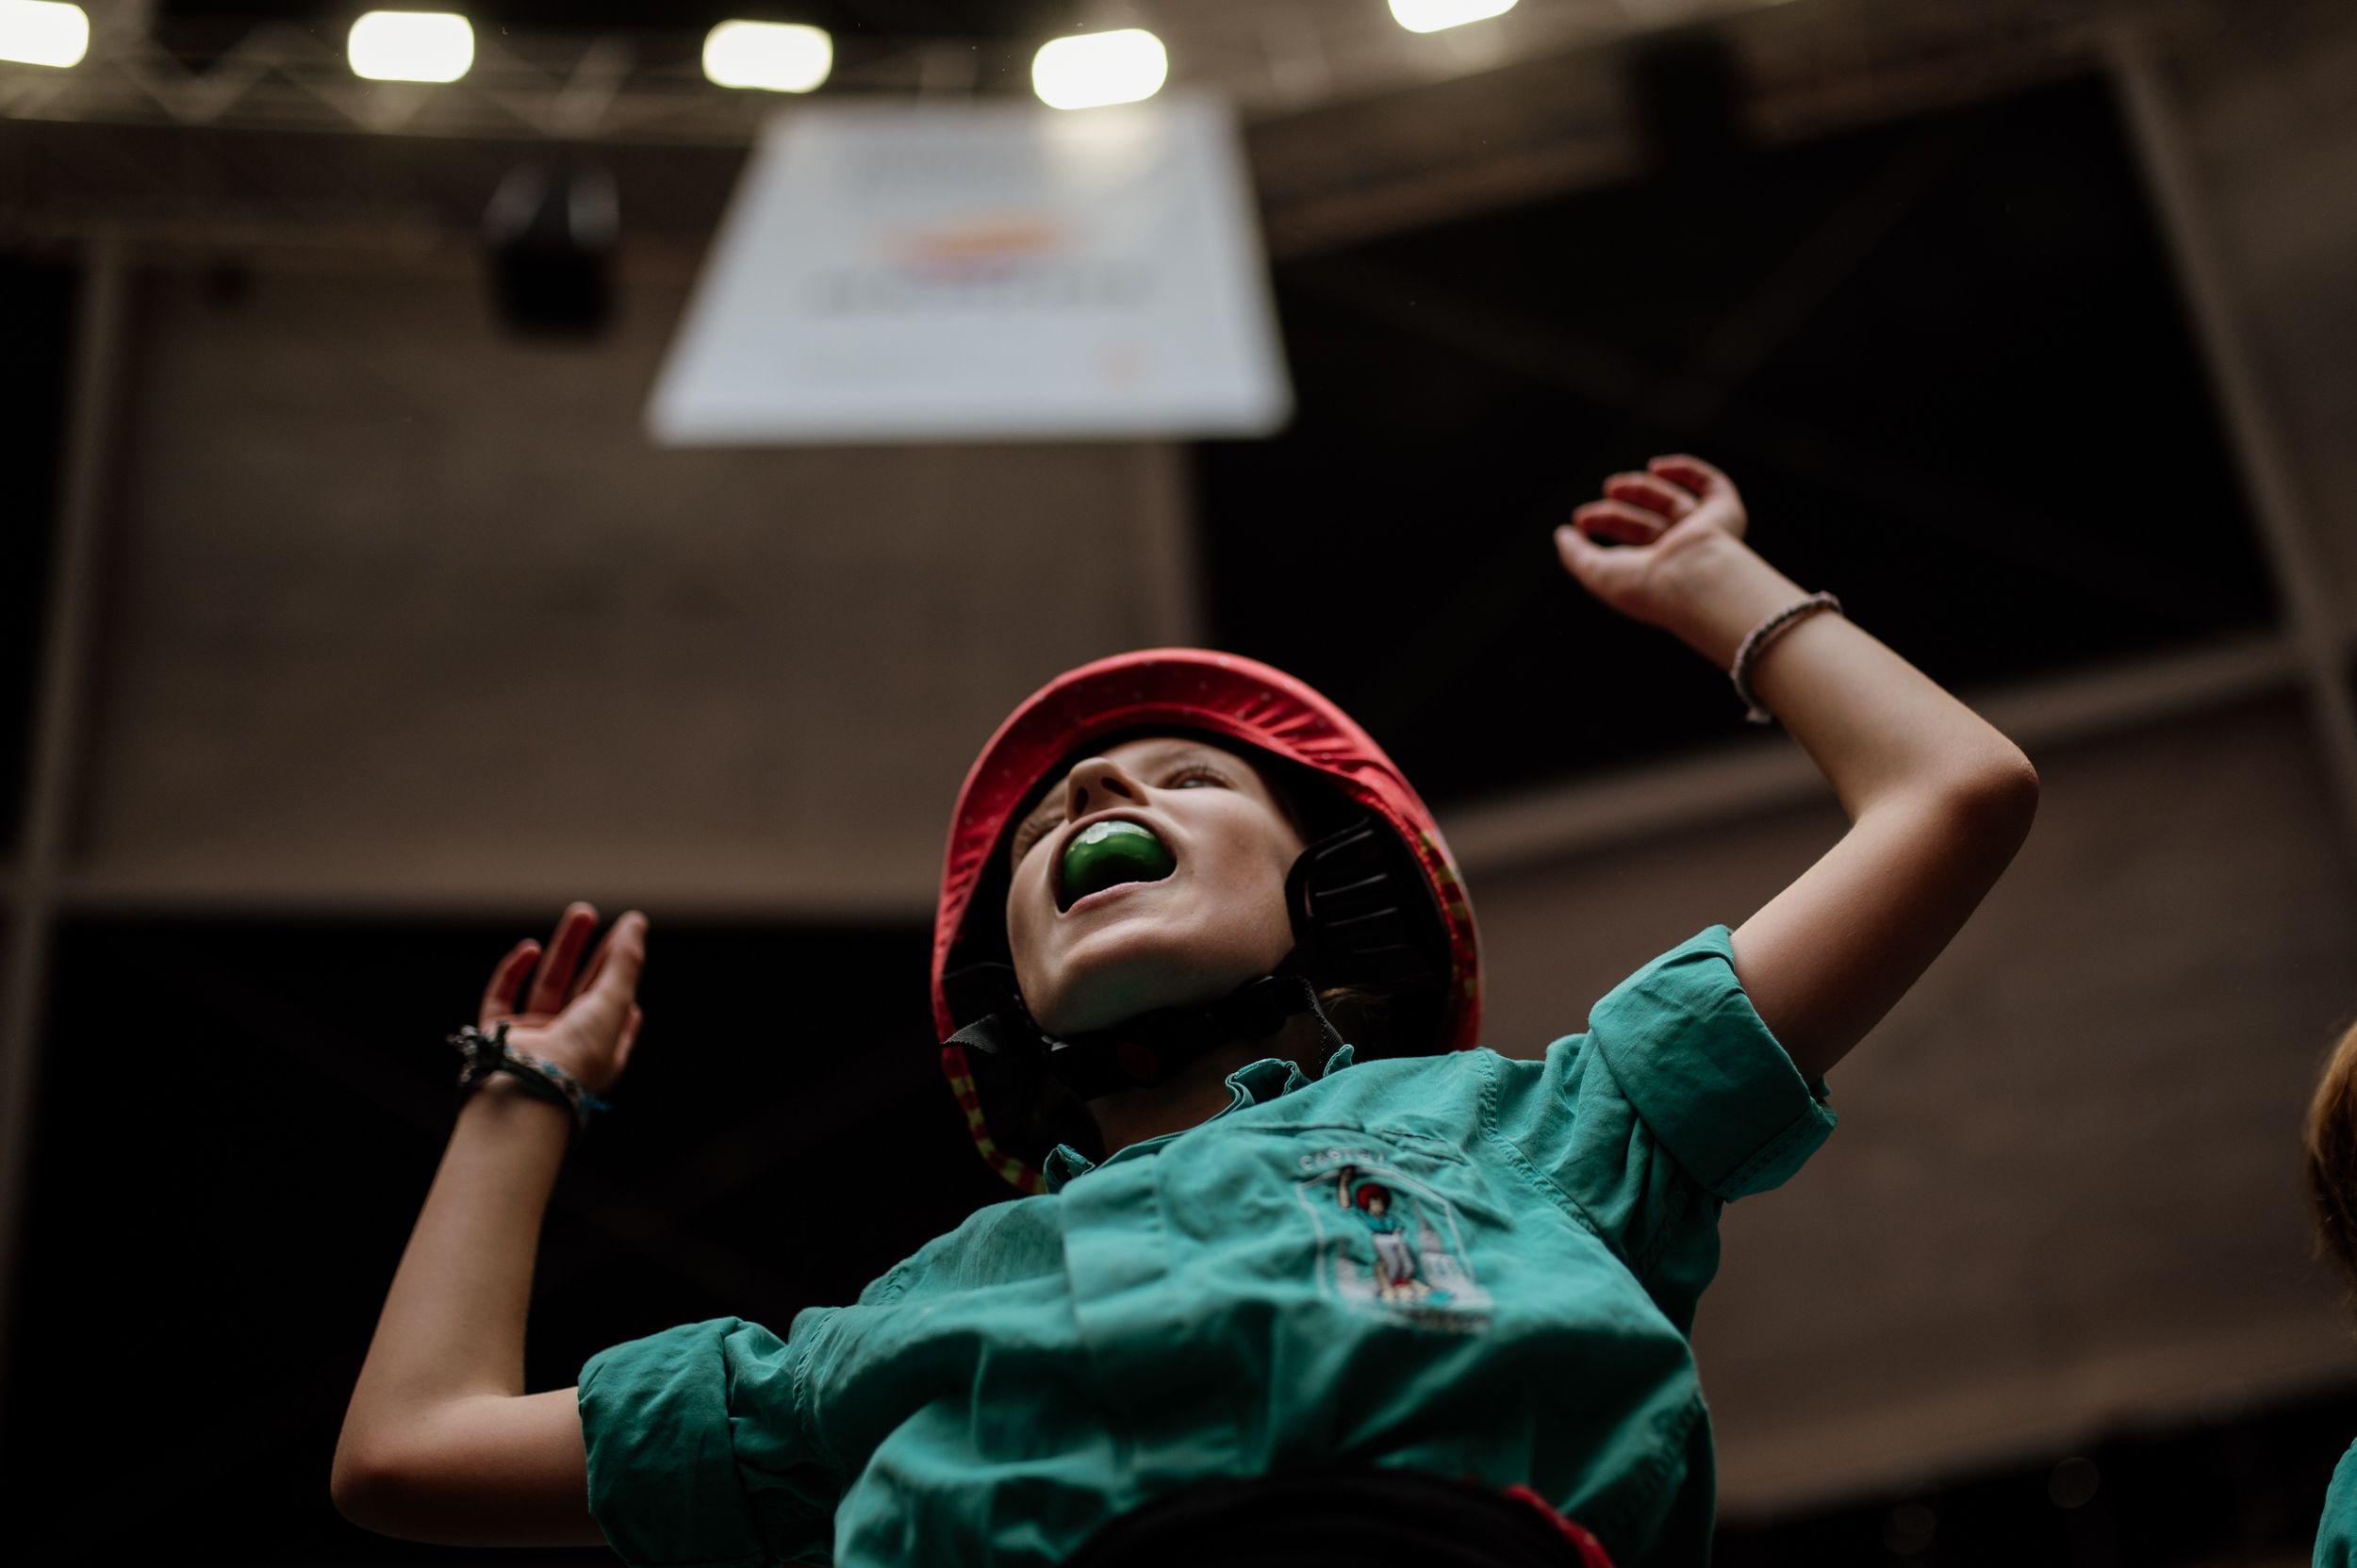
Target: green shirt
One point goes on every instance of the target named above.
(2336, 1532)
(1472, 1264)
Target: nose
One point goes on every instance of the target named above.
(1097, 785)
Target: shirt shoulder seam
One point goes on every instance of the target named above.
(1521, 1161)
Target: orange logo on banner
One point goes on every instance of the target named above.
(1012, 237)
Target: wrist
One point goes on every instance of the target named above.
(504, 1089)
(493, 1059)
(1716, 595)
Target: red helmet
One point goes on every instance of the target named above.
(1229, 700)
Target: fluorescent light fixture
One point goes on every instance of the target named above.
(37, 32)
(1430, 16)
(411, 46)
(779, 57)
(1090, 70)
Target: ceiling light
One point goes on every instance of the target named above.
(1090, 70)
(1430, 16)
(411, 46)
(779, 57)
(36, 32)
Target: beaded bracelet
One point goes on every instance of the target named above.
(490, 1053)
(1749, 652)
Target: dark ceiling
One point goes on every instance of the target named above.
(663, 34)
(892, 18)
(1943, 358)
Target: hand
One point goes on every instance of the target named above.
(1661, 521)
(586, 1028)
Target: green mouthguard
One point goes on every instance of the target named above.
(1114, 852)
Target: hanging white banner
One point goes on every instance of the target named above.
(981, 270)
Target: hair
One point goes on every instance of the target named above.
(2332, 1158)
(1364, 1015)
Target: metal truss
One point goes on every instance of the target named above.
(1269, 57)
(1355, 126)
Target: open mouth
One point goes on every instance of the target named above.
(1107, 854)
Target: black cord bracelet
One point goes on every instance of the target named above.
(490, 1053)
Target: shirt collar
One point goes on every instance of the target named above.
(1254, 1083)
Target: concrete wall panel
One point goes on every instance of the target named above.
(410, 609)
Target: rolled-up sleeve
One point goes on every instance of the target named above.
(1674, 1100)
(1687, 1047)
(700, 1455)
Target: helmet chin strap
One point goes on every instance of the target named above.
(1150, 1046)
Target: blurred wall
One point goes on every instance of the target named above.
(404, 610)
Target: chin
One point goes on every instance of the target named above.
(1113, 992)
(1072, 1015)
(1138, 961)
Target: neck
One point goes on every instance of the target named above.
(1198, 1091)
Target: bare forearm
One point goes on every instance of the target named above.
(453, 1320)
(1877, 726)
(1939, 801)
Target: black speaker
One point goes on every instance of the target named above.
(550, 229)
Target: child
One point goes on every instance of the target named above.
(2333, 1192)
(1277, 1290)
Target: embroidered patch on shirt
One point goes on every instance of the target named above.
(1389, 1243)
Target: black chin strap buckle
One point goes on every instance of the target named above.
(1259, 1008)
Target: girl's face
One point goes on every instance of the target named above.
(1186, 940)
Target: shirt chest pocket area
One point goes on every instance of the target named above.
(1265, 1197)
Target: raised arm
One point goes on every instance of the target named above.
(440, 1443)
(1939, 801)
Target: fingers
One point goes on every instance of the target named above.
(1692, 472)
(1671, 501)
(548, 988)
(1601, 572)
(597, 962)
(605, 948)
(622, 958)
(1604, 545)
(499, 996)
(1618, 520)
